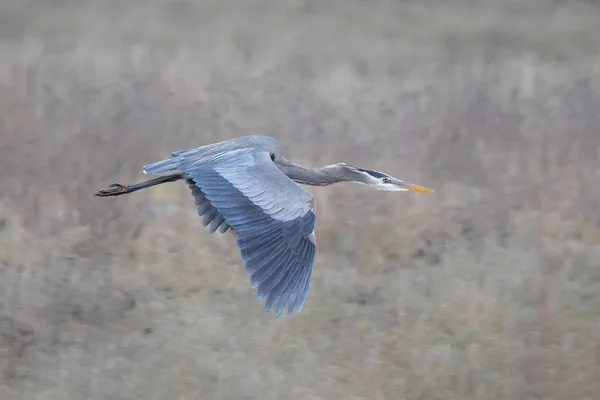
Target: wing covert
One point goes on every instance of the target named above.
(273, 221)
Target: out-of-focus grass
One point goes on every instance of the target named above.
(486, 289)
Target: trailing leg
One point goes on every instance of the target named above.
(116, 189)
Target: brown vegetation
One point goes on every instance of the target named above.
(488, 288)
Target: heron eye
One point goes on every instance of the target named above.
(385, 180)
(272, 156)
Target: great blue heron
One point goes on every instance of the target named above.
(247, 185)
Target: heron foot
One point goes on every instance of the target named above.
(114, 189)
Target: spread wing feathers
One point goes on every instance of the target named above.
(271, 217)
(210, 215)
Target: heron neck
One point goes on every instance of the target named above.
(322, 176)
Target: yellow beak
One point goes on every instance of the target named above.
(415, 188)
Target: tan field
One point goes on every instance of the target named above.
(488, 288)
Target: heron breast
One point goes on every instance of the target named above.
(312, 204)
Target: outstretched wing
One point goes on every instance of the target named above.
(272, 219)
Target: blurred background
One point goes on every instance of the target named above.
(488, 288)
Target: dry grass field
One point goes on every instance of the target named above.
(488, 288)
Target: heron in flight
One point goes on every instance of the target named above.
(248, 186)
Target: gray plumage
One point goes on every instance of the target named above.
(247, 185)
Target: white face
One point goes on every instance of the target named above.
(389, 184)
(381, 181)
(391, 188)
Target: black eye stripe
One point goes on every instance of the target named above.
(374, 174)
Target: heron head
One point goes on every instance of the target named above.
(381, 181)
